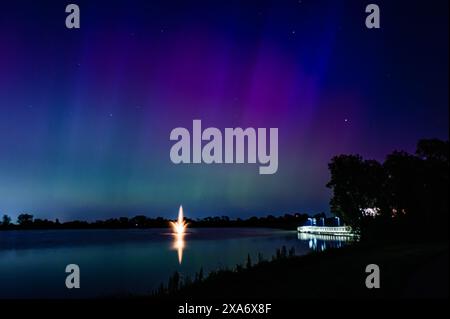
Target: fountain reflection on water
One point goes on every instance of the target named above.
(178, 245)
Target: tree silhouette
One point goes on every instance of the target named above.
(6, 221)
(356, 186)
(406, 194)
(25, 220)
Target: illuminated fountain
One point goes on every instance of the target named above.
(179, 226)
(179, 230)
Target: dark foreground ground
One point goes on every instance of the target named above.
(406, 271)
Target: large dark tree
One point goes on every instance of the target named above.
(356, 186)
(435, 156)
(409, 193)
(404, 189)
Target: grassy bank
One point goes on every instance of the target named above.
(407, 270)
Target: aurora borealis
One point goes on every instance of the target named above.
(86, 114)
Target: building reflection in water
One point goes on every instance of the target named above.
(322, 242)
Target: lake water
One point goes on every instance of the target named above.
(116, 262)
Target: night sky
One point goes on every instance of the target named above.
(86, 114)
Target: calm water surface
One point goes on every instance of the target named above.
(115, 262)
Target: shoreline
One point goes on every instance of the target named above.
(408, 270)
(142, 228)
